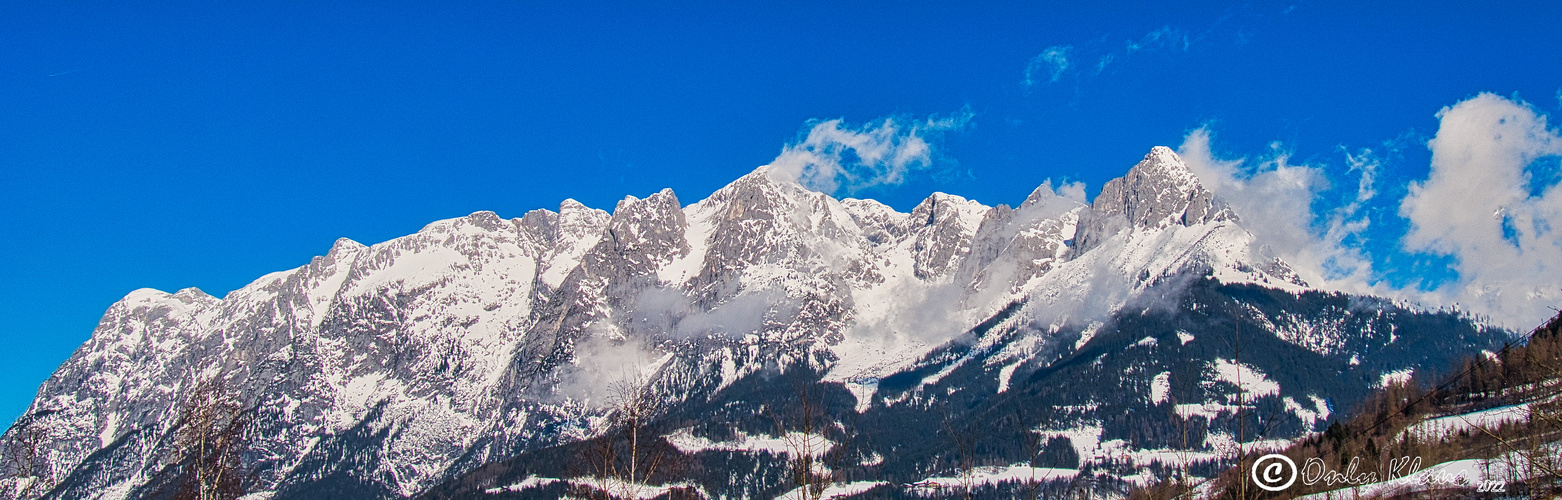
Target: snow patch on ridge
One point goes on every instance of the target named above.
(1254, 383)
(1160, 387)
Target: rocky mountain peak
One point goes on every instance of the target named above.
(481, 220)
(575, 216)
(1161, 191)
(578, 229)
(344, 245)
(1044, 201)
(880, 223)
(540, 225)
(642, 234)
(943, 225)
(192, 295)
(1041, 194)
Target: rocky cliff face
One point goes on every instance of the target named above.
(383, 371)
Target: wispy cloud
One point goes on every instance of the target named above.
(1060, 62)
(834, 155)
(1164, 38)
(1050, 63)
(1275, 199)
(1087, 59)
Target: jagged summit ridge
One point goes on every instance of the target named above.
(466, 336)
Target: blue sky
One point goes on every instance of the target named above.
(205, 144)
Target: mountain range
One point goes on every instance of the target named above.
(1096, 345)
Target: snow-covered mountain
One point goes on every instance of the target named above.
(397, 369)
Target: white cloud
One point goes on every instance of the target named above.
(1071, 190)
(1478, 206)
(1050, 63)
(1274, 199)
(834, 155)
(1487, 202)
(601, 364)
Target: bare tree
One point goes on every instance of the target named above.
(812, 461)
(1033, 442)
(624, 461)
(601, 459)
(25, 459)
(965, 444)
(1241, 411)
(1182, 483)
(210, 440)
